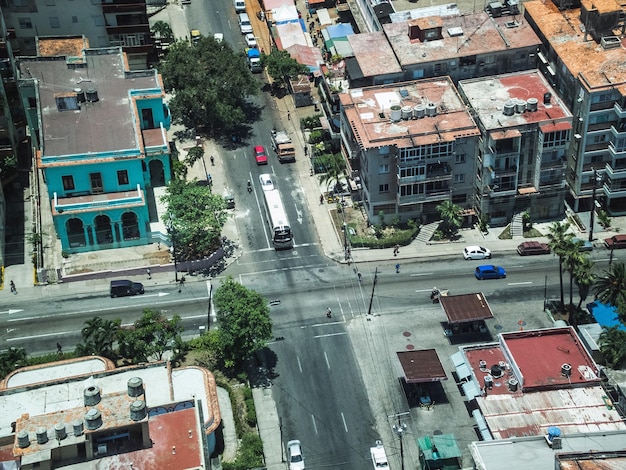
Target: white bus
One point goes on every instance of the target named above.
(277, 218)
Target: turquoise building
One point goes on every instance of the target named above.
(99, 132)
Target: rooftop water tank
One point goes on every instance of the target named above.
(566, 370)
(520, 106)
(419, 111)
(91, 395)
(77, 426)
(512, 383)
(531, 104)
(59, 431)
(488, 381)
(406, 112)
(138, 410)
(509, 108)
(42, 435)
(23, 440)
(134, 386)
(431, 109)
(93, 419)
(396, 113)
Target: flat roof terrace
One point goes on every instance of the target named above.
(106, 125)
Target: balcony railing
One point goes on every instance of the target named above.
(97, 201)
(438, 195)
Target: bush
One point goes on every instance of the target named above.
(311, 122)
(316, 137)
(401, 237)
(250, 454)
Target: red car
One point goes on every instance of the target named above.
(260, 155)
(533, 248)
(615, 242)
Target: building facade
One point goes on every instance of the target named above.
(584, 59)
(525, 137)
(413, 146)
(99, 134)
(105, 23)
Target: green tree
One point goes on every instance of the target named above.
(610, 288)
(150, 337)
(451, 219)
(572, 258)
(197, 217)
(11, 359)
(281, 66)
(243, 316)
(209, 83)
(193, 155)
(163, 31)
(558, 237)
(99, 335)
(612, 344)
(584, 278)
(335, 166)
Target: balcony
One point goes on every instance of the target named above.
(602, 105)
(429, 196)
(599, 147)
(601, 126)
(434, 172)
(617, 167)
(618, 129)
(621, 112)
(125, 6)
(130, 29)
(97, 202)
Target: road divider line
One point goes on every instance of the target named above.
(326, 359)
(299, 363)
(46, 335)
(421, 274)
(525, 283)
(314, 425)
(329, 323)
(343, 418)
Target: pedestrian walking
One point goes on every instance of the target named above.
(288, 116)
(13, 289)
(59, 349)
(212, 161)
(359, 275)
(149, 273)
(396, 250)
(321, 199)
(397, 268)
(329, 313)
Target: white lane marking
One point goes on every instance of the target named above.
(326, 324)
(332, 334)
(314, 425)
(421, 274)
(343, 418)
(525, 283)
(12, 311)
(424, 290)
(327, 362)
(299, 363)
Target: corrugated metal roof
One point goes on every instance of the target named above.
(421, 366)
(466, 307)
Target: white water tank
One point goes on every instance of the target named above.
(406, 112)
(520, 106)
(531, 104)
(42, 435)
(509, 108)
(431, 109)
(419, 111)
(396, 113)
(488, 381)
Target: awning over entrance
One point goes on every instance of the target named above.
(421, 366)
(466, 307)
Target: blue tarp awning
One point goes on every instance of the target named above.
(340, 30)
(605, 315)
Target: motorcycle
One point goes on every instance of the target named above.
(436, 295)
(249, 186)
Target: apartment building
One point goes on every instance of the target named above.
(583, 57)
(525, 136)
(99, 135)
(105, 23)
(413, 145)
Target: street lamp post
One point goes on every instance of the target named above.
(172, 231)
(400, 428)
(596, 180)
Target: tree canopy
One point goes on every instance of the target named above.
(451, 219)
(150, 337)
(281, 66)
(209, 83)
(99, 334)
(197, 217)
(244, 321)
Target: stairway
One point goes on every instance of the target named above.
(426, 232)
(517, 226)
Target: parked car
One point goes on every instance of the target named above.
(489, 271)
(476, 252)
(250, 40)
(615, 242)
(260, 155)
(244, 23)
(583, 245)
(533, 248)
(294, 455)
(219, 37)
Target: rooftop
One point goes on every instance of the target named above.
(466, 307)
(107, 124)
(597, 67)
(374, 54)
(490, 97)
(368, 111)
(463, 35)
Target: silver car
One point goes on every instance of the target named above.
(294, 455)
(476, 252)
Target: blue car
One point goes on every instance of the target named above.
(489, 271)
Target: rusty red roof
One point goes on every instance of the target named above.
(421, 366)
(466, 307)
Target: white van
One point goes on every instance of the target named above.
(240, 6)
(244, 23)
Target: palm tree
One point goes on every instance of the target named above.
(335, 169)
(612, 344)
(164, 31)
(610, 288)
(572, 258)
(98, 337)
(584, 278)
(451, 219)
(557, 239)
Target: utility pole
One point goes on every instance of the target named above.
(400, 429)
(369, 310)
